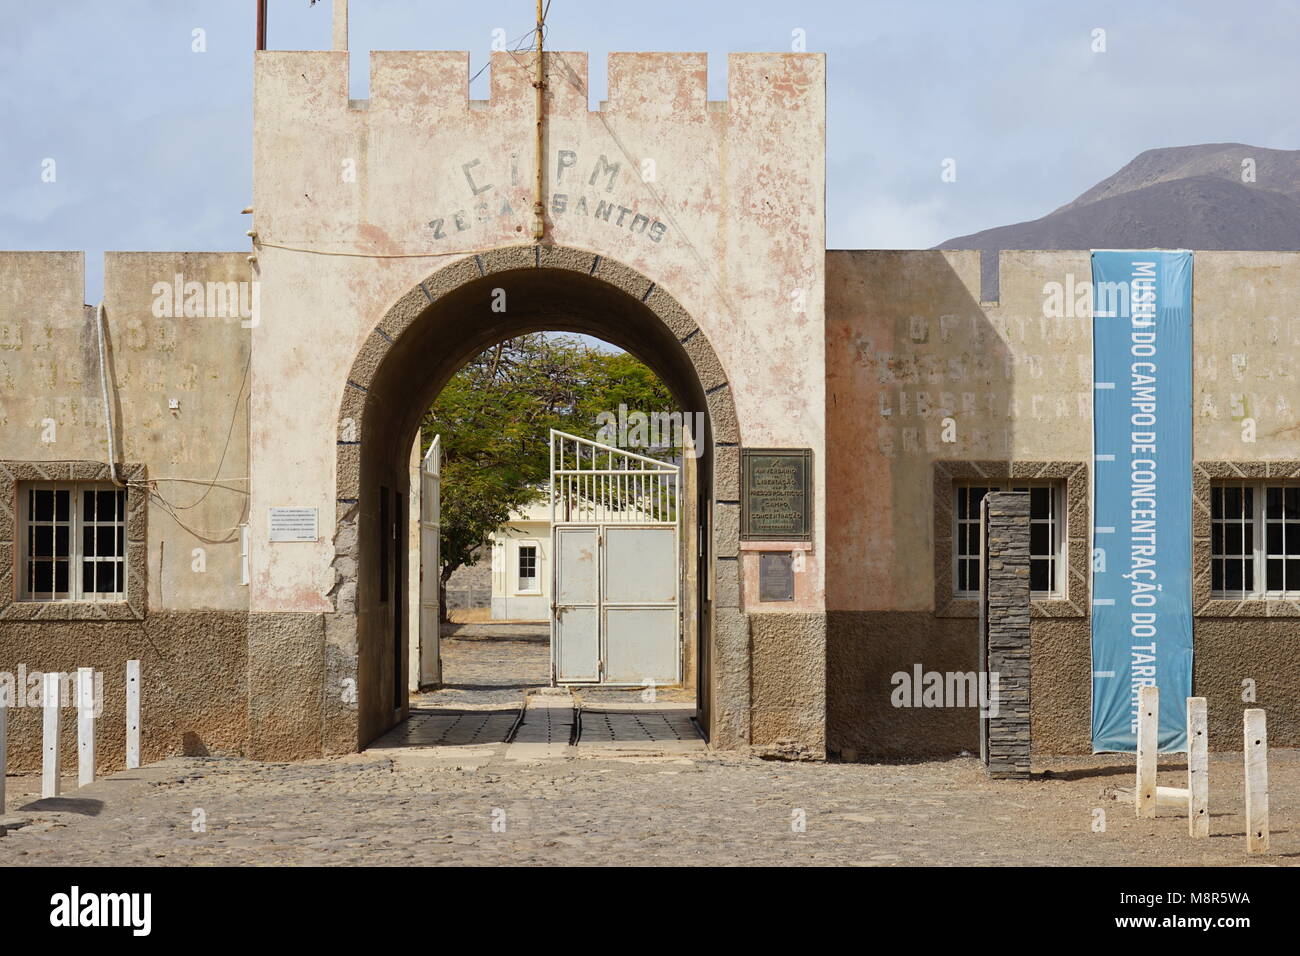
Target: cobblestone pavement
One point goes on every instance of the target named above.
(490, 674)
(467, 782)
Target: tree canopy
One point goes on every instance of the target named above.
(495, 417)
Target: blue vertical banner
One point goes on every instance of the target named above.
(1141, 493)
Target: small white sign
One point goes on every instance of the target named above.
(293, 524)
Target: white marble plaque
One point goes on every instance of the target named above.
(293, 524)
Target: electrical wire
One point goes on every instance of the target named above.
(103, 389)
(373, 255)
(230, 430)
(519, 45)
(149, 485)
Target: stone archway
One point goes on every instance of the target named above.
(420, 342)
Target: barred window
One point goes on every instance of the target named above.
(1255, 540)
(1046, 536)
(73, 542)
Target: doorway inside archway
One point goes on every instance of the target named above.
(553, 468)
(549, 488)
(449, 321)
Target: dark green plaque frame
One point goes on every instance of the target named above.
(753, 462)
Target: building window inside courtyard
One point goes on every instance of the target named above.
(527, 567)
(73, 541)
(1046, 537)
(1255, 540)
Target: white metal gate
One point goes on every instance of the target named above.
(430, 563)
(616, 583)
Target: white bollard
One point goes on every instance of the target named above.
(132, 715)
(1198, 769)
(1256, 748)
(1148, 743)
(50, 758)
(85, 726)
(4, 737)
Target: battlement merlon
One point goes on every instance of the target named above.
(433, 83)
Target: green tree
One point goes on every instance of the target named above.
(495, 417)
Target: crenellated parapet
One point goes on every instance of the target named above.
(421, 168)
(415, 83)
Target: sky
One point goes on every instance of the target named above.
(151, 140)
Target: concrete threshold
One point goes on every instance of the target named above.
(547, 729)
(638, 729)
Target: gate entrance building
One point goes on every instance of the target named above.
(260, 417)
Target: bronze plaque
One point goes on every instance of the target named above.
(776, 576)
(776, 494)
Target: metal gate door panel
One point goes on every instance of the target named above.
(430, 664)
(577, 645)
(640, 565)
(576, 611)
(641, 645)
(577, 569)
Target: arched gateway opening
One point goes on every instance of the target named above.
(422, 340)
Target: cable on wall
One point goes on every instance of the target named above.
(103, 389)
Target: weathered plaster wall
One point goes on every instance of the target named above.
(1246, 335)
(286, 664)
(190, 633)
(1246, 311)
(908, 345)
(737, 234)
(50, 389)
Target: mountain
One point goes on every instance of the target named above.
(1183, 197)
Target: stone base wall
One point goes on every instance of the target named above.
(864, 648)
(788, 693)
(288, 687)
(194, 671)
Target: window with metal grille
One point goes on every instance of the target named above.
(1046, 537)
(1255, 540)
(527, 567)
(73, 542)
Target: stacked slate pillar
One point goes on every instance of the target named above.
(1004, 633)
